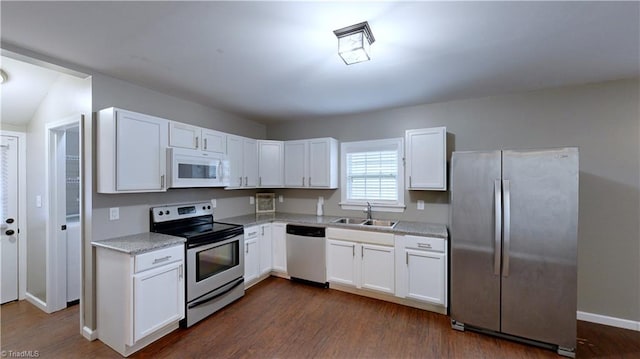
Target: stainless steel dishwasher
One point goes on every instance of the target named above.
(306, 248)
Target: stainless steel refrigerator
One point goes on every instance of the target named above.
(514, 221)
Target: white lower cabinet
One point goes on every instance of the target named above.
(279, 240)
(354, 260)
(421, 267)
(266, 249)
(377, 263)
(251, 254)
(140, 297)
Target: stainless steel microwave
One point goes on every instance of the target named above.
(193, 168)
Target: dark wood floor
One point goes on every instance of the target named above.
(282, 319)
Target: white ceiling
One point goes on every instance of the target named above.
(272, 61)
(26, 87)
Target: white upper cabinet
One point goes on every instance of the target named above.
(426, 166)
(270, 164)
(196, 138)
(296, 170)
(131, 152)
(242, 153)
(214, 141)
(311, 163)
(184, 136)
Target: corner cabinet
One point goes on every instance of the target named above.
(270, 164)
(140, 297)
(421, 269)
(311, 163)
(131, 152)
(426, 166)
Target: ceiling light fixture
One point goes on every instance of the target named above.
(3, 76)
(354, 43)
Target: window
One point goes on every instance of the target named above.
(372, 171)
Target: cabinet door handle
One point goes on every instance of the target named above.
(309, 181)
(353, 248)
(196, 141)
(262, 228)
(410, 186)
(160, 260)
(246, 181)
(205, 143)
(246, 245)
(302, 181)
(407, 258)
(424, 245)
(259, 181)
(180, 272)
(240, 184)
(362, 252)
(162, 182)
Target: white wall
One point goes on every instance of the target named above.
(68, 96)
(601, 119)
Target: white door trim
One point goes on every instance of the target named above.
(56, 297)
(22, 210)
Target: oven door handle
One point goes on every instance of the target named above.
(218, 240)
(220, 292)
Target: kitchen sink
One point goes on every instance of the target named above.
(350, 221)
(379, 223)
(366, 222)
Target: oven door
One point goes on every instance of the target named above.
(213, 265)
(190, 168)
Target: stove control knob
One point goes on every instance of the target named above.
(160, 213)
(208, 207)
(203, 207)
(166, 212)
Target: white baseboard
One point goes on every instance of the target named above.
(36, 301)
(89, 334)
(611, 321)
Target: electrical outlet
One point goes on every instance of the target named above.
(280, 198)
(114, 213)
(252, 200)
(321, 200)
(214, 203)
(421, 205)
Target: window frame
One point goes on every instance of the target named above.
(372, 145)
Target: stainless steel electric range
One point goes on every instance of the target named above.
(214, 256)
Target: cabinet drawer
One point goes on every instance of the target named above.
(157, 258)
(425, 243)
(251, 232)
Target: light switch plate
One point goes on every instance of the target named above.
(280, 198)
(214, 203)
(252, 200)
(114, 213)
(420, 204)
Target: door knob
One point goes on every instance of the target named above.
(10, 232)
(10, 220)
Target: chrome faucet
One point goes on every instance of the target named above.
(368, 211)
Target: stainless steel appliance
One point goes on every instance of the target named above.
(214, 256)
(193, 168)
(514, 220)
(306, 253)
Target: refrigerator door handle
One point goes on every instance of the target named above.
(506, 186)
(497, 250)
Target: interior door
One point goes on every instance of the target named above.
(475, 238)
(540, 241)
(9, 216)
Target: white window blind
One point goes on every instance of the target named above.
(372, 176)
(372, 171)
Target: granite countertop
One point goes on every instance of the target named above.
(403, 227)
(139, 243)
